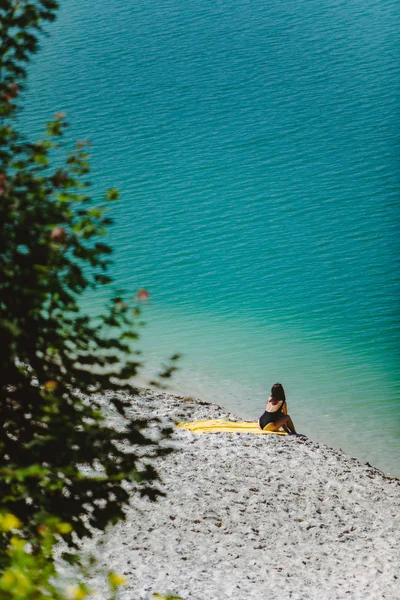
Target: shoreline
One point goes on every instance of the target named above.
(377, 444)
(254, 516)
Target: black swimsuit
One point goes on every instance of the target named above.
(270, 417)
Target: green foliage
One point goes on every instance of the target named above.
(63, 466)
(31, 574)
(28, 571)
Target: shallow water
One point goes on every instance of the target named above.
(255, 148)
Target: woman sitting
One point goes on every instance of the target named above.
(275, 415)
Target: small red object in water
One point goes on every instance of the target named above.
(59, 234)
(60, 115)
(12, 92)
(142, 295)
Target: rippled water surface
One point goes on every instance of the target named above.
(255, 145)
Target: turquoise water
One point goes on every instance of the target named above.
(255, 146)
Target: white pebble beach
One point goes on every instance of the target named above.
(255, 517)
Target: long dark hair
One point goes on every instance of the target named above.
(277, 392)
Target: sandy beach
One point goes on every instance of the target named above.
(256, 516)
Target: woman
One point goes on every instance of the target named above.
(275, 415)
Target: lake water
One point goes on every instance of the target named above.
(255, 146)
